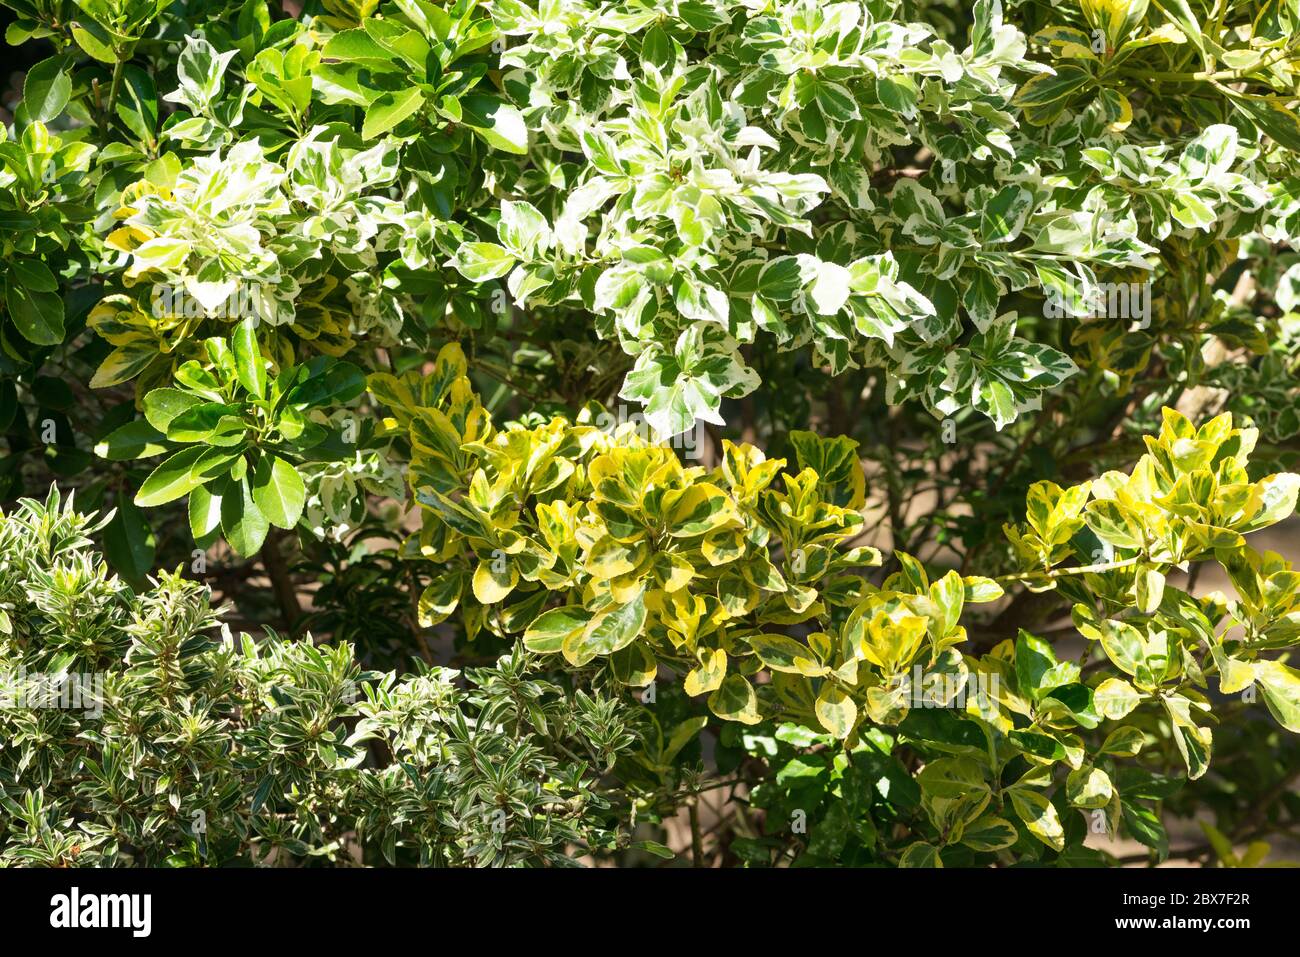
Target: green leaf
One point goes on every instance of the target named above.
(1124, 742)
(129, 542)
(441, 597)
(1034, 660)
(1276, 497)
(523, 229)
(1115, 698)
(1073, 699)
(389, 109)
(898, 94)
(655, 848)
(46, 90)
(1089, 787)
(920, 854)
(124, 363)
(682, 735)
(781, 653)
(211, 422)
(1145, 826)
(479, 262)
(249, 366)
(497, 122)
(1281, 687)
(547, 634)
(781, 278)
(1042, 746)
(38, 315)
(1123, 646)
(494, 579)
(278, 490)
(1136, 783)
(205, 510)
(990, 833)
(242, 522)
(1194, 742)
(216, 461)
(357, 46)
(163, 405)
(1221, 843)
(170, 480)
(1004, 216)
(735, 700)
(1273, 118)
(34, 275)
(95, 41)
(1044, 89)
(135, 440)
(331, 382)
(1180, 13)
(137, 104)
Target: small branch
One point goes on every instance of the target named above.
(697, 838)
(1254, 820)
(114, 87)
(1073, 570)
(281, 583)
(891, 175)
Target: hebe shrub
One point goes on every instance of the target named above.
(832, 403)
(134, 733)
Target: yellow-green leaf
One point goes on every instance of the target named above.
(494, 579)
(708, 674)
(781, 653)
(1039, 816)
(440, 597)
(836, 711)
(607, 632)
(1281, 686)
(735, 701)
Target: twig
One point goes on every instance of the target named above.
(697, 839)
(281, 583)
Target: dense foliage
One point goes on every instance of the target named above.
(134, 734)
(832, 407)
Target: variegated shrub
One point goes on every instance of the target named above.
(866, 405)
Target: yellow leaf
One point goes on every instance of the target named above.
(708, 675)
(494, 579)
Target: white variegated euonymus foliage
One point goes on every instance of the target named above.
(692, 182)
(723, 177)
(724, 195)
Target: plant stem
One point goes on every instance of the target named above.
(1075, 570)
(697, 839)
(114, 87)
(278, 572)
